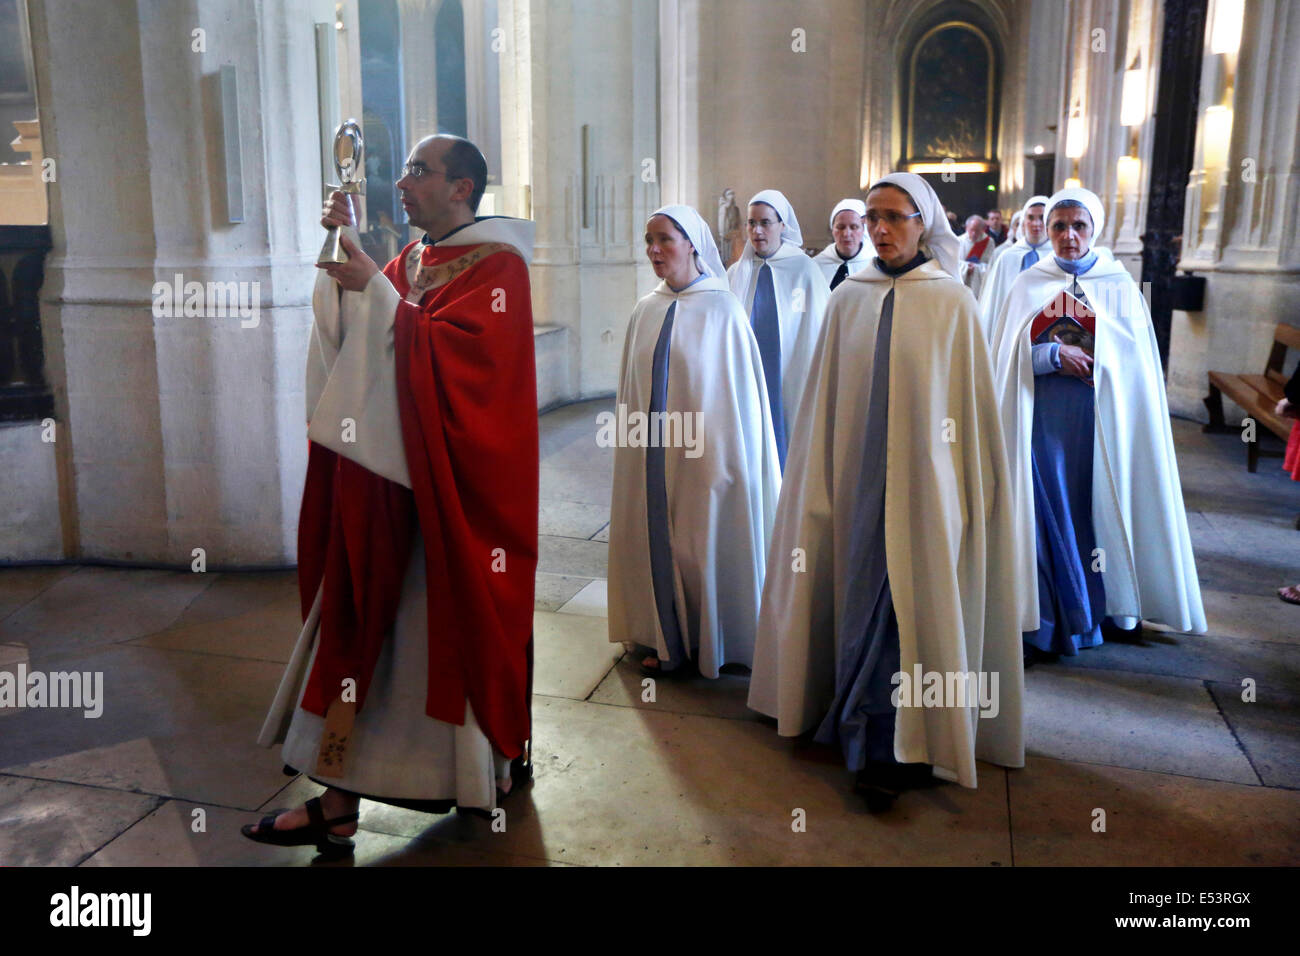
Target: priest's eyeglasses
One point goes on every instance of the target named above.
(890, 218)
(419, 171)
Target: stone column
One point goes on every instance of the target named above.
(1243, 206)
(179, 431)
(419, 68)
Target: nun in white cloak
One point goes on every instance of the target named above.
(1103, 532)
(692, 513)
(1031, 246)
(784, 294)
(893, 552)
(849, 250)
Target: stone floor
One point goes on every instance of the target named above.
(1156, 735)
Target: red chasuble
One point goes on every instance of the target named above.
(977, 250)
(467, 394)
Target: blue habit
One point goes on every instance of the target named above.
(767, 330)
(1071, 596)
(862, 716)
(656, 486)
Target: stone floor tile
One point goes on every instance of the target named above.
(1140, 721)
(617, 786)
(571, 519)
(552, 590)
(588, 487)
(573, 654)
(166, 838)
(18, 585)
(1271, 664)
(1268, 728)
(173, 723)
(591, 601)
(588, 559)
(252, 615)
(1267, 618)
(46, 823)
(725, 697)
(1152, 819)
(103, 605)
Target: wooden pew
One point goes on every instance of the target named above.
(1257, 394)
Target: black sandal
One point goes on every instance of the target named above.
(316, 831)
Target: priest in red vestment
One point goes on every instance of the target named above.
(417, 542)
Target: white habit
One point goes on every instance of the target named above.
(801, 294)
(829, 260)
(1137, 500)
(1007, 264)
(949, 542)
(721, 501)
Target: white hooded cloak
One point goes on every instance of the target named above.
(949, 541)
(801, 294)
(1137, 501)
(721, 501)
(1006, 266)
(829, 261)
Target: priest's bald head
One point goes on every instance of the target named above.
(443, 183)
(974, 227)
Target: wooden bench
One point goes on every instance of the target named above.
(1257, 394)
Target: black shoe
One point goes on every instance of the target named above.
(878, 799)
(880, 783)
(1034, 656)
(1112, 634)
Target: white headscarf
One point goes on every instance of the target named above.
(1024, 211)
(937, 237)
(856, 205)
(790, 233)
(697, 231)
(1090, 201)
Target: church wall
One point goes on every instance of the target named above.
(771, 116)
(587, 272)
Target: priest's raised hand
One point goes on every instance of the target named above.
(354, 274)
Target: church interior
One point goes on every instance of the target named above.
(153, 456)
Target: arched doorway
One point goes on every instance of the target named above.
(951, 72)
